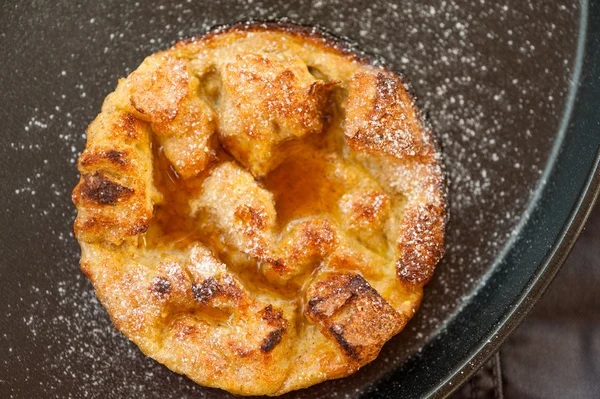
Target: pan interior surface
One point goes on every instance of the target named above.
(494, 80)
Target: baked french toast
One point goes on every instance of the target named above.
(259, 208)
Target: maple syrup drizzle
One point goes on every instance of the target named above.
(301, 184)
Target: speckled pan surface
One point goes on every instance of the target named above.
(495, 79)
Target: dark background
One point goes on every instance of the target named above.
(493, 77)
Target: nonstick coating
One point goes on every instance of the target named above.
(510, 87)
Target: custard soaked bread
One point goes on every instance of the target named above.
(259, 208)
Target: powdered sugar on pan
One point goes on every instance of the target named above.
(492, 78)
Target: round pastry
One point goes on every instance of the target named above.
(260, 207)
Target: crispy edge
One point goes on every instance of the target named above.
(352, 313)
(381, 116)
(112, 199)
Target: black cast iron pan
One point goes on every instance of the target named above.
(512, 89)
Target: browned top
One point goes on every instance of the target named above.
(259, 209)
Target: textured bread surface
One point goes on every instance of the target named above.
(259, 208)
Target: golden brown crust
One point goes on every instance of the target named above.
(163, 92)
(233, 204)
(115, 195)
(187, 310)
(381, 117)
(157, 92)
(256, 115)
(350, 311)
(259, 208)
(300, 251)
(420, 244)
